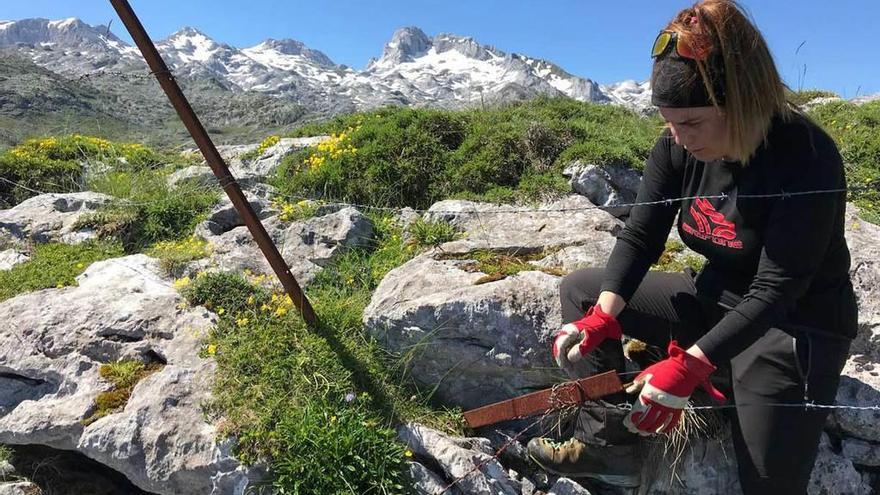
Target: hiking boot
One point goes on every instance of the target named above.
(616, 465)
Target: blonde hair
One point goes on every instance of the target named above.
(753, 91)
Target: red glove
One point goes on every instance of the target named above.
(664, 389)
(576, 339)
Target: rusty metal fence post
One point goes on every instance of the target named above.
(215, 161)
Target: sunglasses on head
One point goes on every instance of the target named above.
(667, 39)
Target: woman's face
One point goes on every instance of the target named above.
(701, 130)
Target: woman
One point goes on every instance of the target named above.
(774, 302)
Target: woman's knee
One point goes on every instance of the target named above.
(582, 282)
(578, 290)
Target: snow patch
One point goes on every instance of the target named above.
(62, 23)
(196, 47)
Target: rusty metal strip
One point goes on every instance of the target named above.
(215, 161)
(566, 394)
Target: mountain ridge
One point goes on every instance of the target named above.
(447, 70)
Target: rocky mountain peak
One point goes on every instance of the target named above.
(289, 46)
(465, 45)
(406, 44)
(66, 32)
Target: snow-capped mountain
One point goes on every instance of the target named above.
(69, 45)
(414, 69)
(450, 70)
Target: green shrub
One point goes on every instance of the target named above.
(856, 130)
(54, 265)
(291, 212)
(806, 95)
(147, 211)
(415, 157)
(174, 254)
(56, 164)
(430, 233)
(35, 174)
(391, 159)
(359, 454)
(6, 455)
(264, 145)
(226, 290)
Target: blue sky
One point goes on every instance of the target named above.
(606, 41)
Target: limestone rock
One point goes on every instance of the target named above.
(11, 257)
(426, 482)
(306, 245)
(458, 463)
(605, 185)
(570, 221)
(566, 486)
(476, 343)
(52, 344)
(833, 474)
(860, 452)
(50, 217)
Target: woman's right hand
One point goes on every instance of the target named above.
(576, 339)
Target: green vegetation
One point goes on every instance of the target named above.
(856, 129)
(672, 259)
(124, 375)
(291, 212)
(172, 255)
(498, 266)
(54, 265)
(147, 211)
(289, 394)
(806, 95)
(414, 157)
(59, 164)
(425, 234)
(265, 144)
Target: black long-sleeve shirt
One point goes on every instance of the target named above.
(771, 261)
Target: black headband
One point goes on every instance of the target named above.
(676, 82)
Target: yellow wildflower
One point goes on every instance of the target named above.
(250, 300)
(220, 311)
(408, 453)
(212, 349)
(280, 311)
(332, 419)
(241, 322)
(181, 282)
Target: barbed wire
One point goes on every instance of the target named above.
(798, 405)
(501, 208)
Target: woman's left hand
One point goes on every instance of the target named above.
(664, 390)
